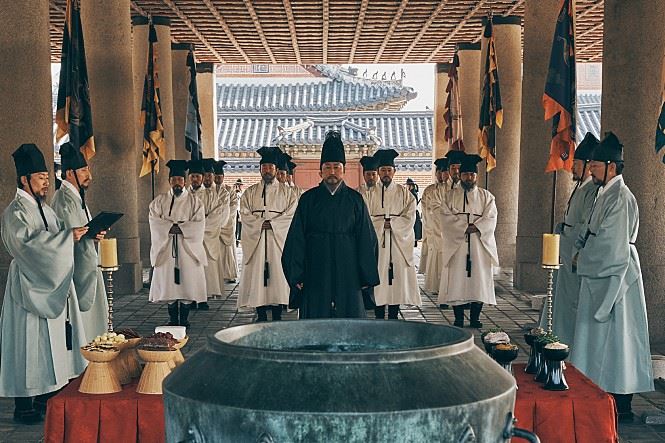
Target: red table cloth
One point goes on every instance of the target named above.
(585, 413)
(122, 417)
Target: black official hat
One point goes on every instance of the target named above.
(470, 163)
(333, 148)
(409, 181)
(269, 155)
(291, 166)
(177, 168)
(386, 157)
(29, 160)
(455, 157)
(195, 166)
(208, 165)
(218, 167)
(369, 163)
(586, 147)
(609, 150)
(71, 158)
(283, 162)
(441, 164)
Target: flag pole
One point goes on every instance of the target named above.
(552, 215)
(152, 178)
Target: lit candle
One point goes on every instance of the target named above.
(551, 249)
(108, 253)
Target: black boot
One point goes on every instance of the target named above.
(261, 314)
(393, 310)
(203, 306)
(475, 308)
(25, 413)
(40, 401)
(624, 407)
(193, 306)
(444, 306)
(380, 312)
(459, 316)
(184, 313)
(276, 312)
(173, 314)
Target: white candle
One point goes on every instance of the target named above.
(551, 249)
(108, 253)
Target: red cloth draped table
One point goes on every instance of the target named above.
(114, 418)
(585, 413)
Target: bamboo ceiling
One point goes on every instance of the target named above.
(336, 31)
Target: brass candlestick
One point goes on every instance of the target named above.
(108, 272)
(550, 286)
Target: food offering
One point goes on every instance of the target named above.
(493, 338)
(504, 354)
(535, 357)
(540, 343)
(99, 377)
(555, 353)
(156, 350)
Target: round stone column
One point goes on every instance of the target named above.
(25, 94)
(107, 33)
(504, 180)
(207, 89)
(440, 146)
(468, 77)
(164, 66)
(535, 187)
(180, 75)
(634, 48)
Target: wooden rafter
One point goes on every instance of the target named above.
(590, 47)
(292, 29)
(587, 11)
(424, 29)
(138, 9)
(326, 29)
(590, 30)
(457, 29)
(391, 30)
(515, 7)
(259, 30)
(359, 28)
(227, 30)
(194, 30)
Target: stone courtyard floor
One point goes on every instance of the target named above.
(513, 313)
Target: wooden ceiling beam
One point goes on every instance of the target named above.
(259, 30)
(457, 29)
(424, 29)
(359, 27)
(292, 29)
(515, 7)
(194, 30)
(326, 30)
(227, 30)
(391, 30)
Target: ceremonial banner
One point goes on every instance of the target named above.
(73, 111)
(453, 114)
(491, 111)
(560, 97)
(193, 122)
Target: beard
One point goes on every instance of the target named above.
(268, 178)
(196, 186)
(468, 185)
(332, 180)
(177, 190)
(370, 183)
(386, 180)
(597, 181)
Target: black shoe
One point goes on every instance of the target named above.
(28, 417)
(230, 280)
(626, 417)
(203, 306)
(444, 306)
(459, 323)
(173, 314)
(193, 306)
(184, 313)
(476, 324)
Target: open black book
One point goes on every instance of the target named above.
(102, 222)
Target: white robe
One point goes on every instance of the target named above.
(88, 279)
(434, 197)
(456, 287)
(278, 207)
(189, 214)
(216, 208)
(400, 206)
(228, 263)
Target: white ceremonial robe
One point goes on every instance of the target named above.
(456, 287)
(399, 205)
(216, 207)
(34, 358)
(189, 214)
(296, 190)
(88, 279)
(424, 245)
(228, 262)
(278, 206)
(435, 201)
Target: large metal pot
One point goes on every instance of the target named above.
(339, 381)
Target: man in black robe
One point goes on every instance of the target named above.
(331, 250)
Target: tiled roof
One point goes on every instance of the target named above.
(337, 90)
(588, 115)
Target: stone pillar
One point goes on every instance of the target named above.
(632, 47)
(440, 146)
(107, 32)
(25, 94)
(469, 77)
(140, 65)
(180, 73)
(205, 81)
(535, 187)
(504, 179)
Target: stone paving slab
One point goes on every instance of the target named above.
(512, 313)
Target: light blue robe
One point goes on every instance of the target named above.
(567, 282)
(611, 344)
(33, 355)
(88, 279)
